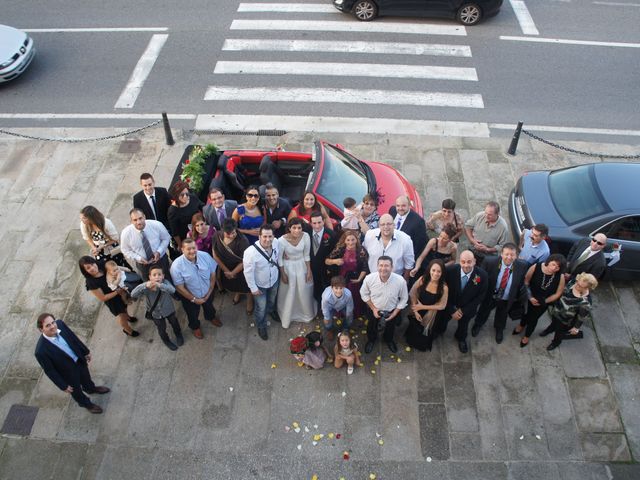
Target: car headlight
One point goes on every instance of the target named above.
(10, 61)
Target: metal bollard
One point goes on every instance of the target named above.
(514, 140)
(167, 129)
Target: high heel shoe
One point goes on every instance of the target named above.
(133, 333)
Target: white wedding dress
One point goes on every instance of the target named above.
(295, 298)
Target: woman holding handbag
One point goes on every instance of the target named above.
(428, 297)
(101, 236)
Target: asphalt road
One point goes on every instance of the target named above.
(542, 83)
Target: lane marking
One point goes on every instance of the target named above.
(95, 116)
(288, 7)
(345, 95)
(566, 41)
(527, 25)
(99, 30)
(617, 4)
(390, 126)
(347, 69)
(349, 26)
(141, 71)
(246, 44)
(547, 128)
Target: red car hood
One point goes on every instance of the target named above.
(394, 184)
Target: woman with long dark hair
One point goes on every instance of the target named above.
(446, 216)
(101, 236)
(248, 215)
(308, 205)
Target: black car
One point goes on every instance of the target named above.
(581, 201)
(465, 11)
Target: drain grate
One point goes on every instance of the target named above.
(259, 133)
(129, 146)
(19, 420)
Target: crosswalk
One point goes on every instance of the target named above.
(275, 61)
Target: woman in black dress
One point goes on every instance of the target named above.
(185, 205)
(545, 283)
(438, 248)
(428, 297)
(96, 283)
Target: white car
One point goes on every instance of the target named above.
(16, 52)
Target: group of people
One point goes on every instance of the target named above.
(297, 264)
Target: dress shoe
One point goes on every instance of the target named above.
(133, 319)
(262, 332)
(276, 317)
(198, 333)
(93, 408)
(552, 346)
(101, 390)
(499, 337)
(392, 346)
(516, 331)
(462, 345)
(368, 348)
(216, 322)
(546, 331)
(170, 345)
(179, 340)
(475, 330)
(132, 334)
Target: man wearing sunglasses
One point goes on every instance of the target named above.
(586, 255)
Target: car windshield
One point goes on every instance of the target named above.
(342, 176)
(575, 194)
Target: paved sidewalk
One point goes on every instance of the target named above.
(225, 407)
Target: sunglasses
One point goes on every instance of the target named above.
(184, 194)
(252, 195)
(598, 242)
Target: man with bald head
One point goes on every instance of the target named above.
(409, 222)
(587, 255)
(386, 240)
(467, 287)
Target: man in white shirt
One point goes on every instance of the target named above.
(385, 293)
(261, 272)
(386, 240)
(145, 242)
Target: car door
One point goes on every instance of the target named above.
(624, 235)
(402, 7)
(441, 8)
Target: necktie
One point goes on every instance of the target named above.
(221, 216)
(399, 223)
(316, 242)
(146, 245)
(505, 279)
(581, 259)
(463, 281)
(153, 201)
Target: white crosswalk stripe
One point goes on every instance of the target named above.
(288, 8)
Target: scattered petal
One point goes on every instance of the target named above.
(314, 443)
(301, 364)
(338, 436)
(252, 325)
(379, 358)
(372, 476)
(363, 332)
(330, 435)
(408, 377)
(306, 429)
(317, 437)
(299, 447)
(268, 323)
(295, 424)
(231, 389)
(378, 435)
(287, 428)
(399, 360)
(392, 356)
(297, 429)
(344, 394)
(322, 435)
(538, 437)
(380, 442)
(521, 437)
(428, 459)
(316, 426)
(373, 372)
(273, 365)
(345, 455)
(408, 349)
(314, 477)
(377, 362)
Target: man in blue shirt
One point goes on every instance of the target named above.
(533, 247)
(336, 301)
(194, 275)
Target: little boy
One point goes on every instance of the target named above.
(351, 213)
(336, 301)
(157, 292)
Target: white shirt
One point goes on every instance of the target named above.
(131, 240)
(399, 248)
(153, 208)
(258, 272)
(387, 295)
(401, 219)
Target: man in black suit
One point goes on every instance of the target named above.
(323, 241)
(409, 222)
(153, 201)
(586, 255)
(276, 209)
(505, 288)
(65, 360)
(218, 209)
(467, 287)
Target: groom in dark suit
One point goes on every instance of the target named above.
(219, 209)
(409, 222)
(467, 286)
(505, 288)
(153, 201)
(65, 360)
(323, 241)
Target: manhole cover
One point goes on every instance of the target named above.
(129, 146)
(19, 420)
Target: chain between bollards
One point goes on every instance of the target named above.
(514, 140)
(167, 129)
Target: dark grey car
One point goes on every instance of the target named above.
(581, 201)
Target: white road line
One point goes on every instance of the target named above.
(345, 95)
(347, 69)
(617, 4)
(141, 72)
(349, 26)
(524, 17)
(246, 44)
(95, 116)
(566, 41)
(547, 128)
(99, 30)
(391, 126)
(288, 7)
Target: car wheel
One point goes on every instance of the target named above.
(365, 10)
(469, 14)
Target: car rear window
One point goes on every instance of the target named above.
(575, 194)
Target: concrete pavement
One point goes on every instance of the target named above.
(221, 407)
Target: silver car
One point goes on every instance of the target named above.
(16, 52)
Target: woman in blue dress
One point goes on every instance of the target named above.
(248, 215)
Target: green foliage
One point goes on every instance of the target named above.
(193, 170)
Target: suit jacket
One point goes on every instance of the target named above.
(57, 365)
(163, 202)
(210, 215)
(415, 227)
(595, 264)
(469, 299)
(491, 265)
(282, 210)
(327, 244)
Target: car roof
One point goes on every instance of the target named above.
(618, 182)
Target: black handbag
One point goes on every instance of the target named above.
(149, 313)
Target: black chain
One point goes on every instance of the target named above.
(572, 150)
(79, 140)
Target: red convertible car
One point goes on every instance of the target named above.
(329, 171)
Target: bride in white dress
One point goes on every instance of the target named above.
(295, 294)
